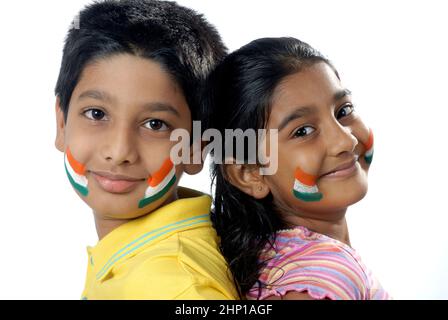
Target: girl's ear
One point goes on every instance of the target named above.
(247, 178)
(60, 127)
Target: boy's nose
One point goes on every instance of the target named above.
(120, 147)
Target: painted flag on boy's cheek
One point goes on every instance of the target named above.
(368, 156)
(159, 183)
(76, 173)
(305, 187)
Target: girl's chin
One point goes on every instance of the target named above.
(339, 198)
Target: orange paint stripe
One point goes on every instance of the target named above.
(305, 178)
(76, 166)
(369, 143)
(161, 174)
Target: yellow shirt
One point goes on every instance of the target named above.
(171, 253)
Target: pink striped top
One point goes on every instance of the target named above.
(325, 268)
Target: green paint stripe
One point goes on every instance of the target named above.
(144, 202)
(308, 197)
(83, 190)
(369, 158)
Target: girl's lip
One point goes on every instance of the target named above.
(115, 186)
(342, 173)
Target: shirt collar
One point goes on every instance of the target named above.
(191, 210)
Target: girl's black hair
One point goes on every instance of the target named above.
(240, 94)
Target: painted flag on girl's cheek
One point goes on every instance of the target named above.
(305, 187)
(76, 173)
(159, 183)
(368, 156)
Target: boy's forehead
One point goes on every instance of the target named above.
(127, 79)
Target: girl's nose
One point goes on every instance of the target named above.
(340, 140)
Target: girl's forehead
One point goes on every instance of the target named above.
(313, 83)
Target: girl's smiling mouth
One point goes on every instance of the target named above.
(343, 171)
(115, 183)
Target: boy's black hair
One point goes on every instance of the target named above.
(178, 38)
(240, 92)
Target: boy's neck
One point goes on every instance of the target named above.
(104, 225)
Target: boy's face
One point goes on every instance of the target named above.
(316, 140)
(120, 118)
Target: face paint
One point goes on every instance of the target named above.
(159, 183)
(305, 187)
(368, 156)
(76, 173)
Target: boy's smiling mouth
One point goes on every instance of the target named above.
(115, 183)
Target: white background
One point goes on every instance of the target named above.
(391, 54)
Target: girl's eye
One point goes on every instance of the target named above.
(345, 111)
(156, 125)
(94, 114)
(304, 131)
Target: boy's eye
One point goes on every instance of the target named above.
(156, 124)
(94, 114)
(345, 111)
(304, 131)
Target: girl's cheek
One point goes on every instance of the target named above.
(304, 172)
(365, 138)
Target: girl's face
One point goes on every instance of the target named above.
(319, 131)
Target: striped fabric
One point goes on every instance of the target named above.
(325, 268)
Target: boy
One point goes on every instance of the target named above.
(131, 73)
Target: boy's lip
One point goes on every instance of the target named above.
(115, 183)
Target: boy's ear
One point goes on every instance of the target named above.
(194, 168)
(247, 178)
(60, 127)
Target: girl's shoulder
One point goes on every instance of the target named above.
(300, 241)
(299, 259)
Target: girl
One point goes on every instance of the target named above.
(285, 235)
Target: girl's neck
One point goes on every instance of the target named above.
(335, 229)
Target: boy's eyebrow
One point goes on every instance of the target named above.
(151, 106)
(304, 111)
(95, 94)
(161, 106)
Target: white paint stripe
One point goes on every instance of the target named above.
(300, 187)
(369, 152)
(79, 179)
(150, 191)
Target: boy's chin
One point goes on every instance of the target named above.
(123, 210)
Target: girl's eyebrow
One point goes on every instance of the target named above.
(297, 113)
(341, 94)
(306, 110)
